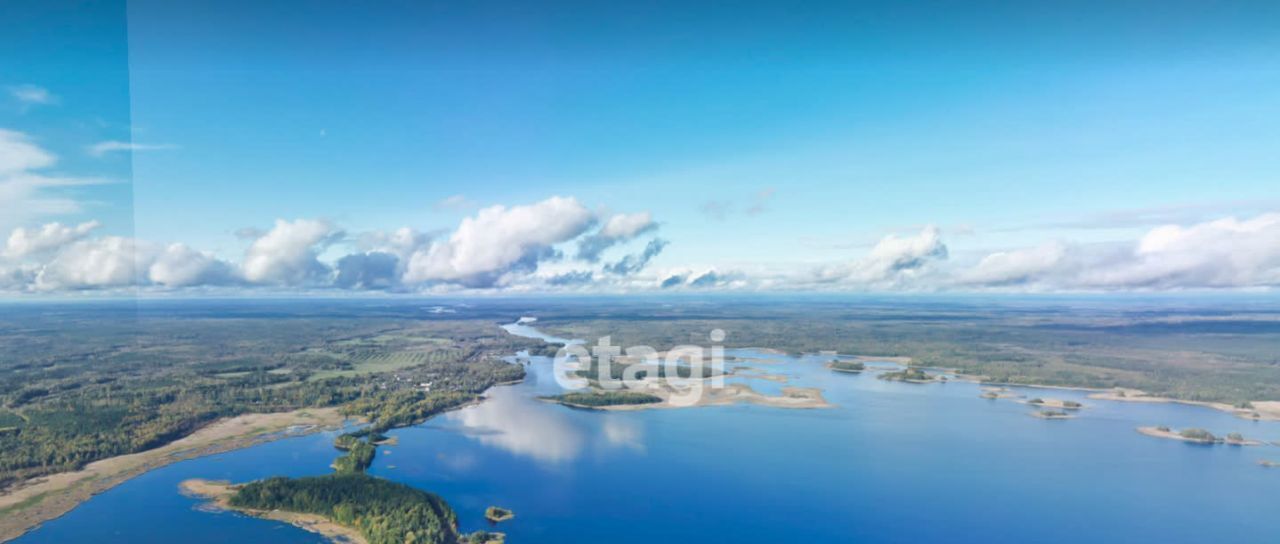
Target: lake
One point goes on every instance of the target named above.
(892, 462)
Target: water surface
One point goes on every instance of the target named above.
(893, 462)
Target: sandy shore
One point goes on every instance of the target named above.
(1262, 410)
(734, 393)
(219, 493)
(1041, 414)
(999, 393)
(1174, 435)
(1053, 403)
(45, 498)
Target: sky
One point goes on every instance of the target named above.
(422, 147)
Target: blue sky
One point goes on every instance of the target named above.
(767, 141)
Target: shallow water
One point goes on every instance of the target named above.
(893, 462)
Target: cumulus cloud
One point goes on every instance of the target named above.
(179, 265)
(1017, 267)
(90, 264)
(372, 270)
(16, 277)
(1224, 253)
(634, 263)
(101, 149)
(288, 254)
(24, 242)
(401, 242)
(894, 261)
(498, 241)
(618, 229)
(674, 280)
(576, 277)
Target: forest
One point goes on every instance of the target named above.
(80, 383)
(1190, 349)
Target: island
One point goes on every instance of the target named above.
(349, 505)
(1198, 436)
(909, 375)
(851, 367)
(355, 507)
(995, 393)
(496, 514)
(1051, 414)
(1056, 403)
(603, 399)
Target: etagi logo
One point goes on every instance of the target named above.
(680, 375)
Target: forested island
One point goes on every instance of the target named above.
(1198, 436)
(497, 514)
(852, 367)
(601, 399)
(909, 375)
(384, 512)
(380, 511)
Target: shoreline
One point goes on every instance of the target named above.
(34, 502)
(734, 393)
(219, 495)
(1175, 435)
(1266, 410)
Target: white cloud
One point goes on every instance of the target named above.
(31, 95)
(1224, 253)
(111, 146)
(631, 264)
(25, 193)
(25, 242)
(401, 242)
(178, 265)
(454, 203)
(18, 154)
(894, 262)
(499, 240)
(288, 254)
(91, 264)
(1016, 267)
(617, 229)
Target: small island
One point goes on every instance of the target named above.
(603, 399)
(909, 375)
(1198, 436)
(996, 393)
(850, 367)
(1051, 414)
(1056, 403)
(497, 514)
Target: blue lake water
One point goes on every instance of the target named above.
(893, 462)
